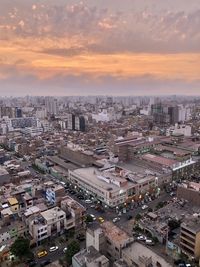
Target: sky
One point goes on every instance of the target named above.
(97, 47)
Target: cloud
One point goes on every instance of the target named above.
(133, 31)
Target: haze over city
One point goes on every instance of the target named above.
(113, 47)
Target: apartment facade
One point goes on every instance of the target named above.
(190, 238)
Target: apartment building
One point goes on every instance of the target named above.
(54, 192)
(48, 223)
(190, 238)
(89, 258)
(108, 239)
(137, 254)
(74, 210)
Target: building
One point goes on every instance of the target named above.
(108, 239)
(185, 130)
(115, 185)
(190, 192)
(174, 114)
(137, 254)
(51, 105)
(54, 192)
(48, 223)
(4, 176)
(19, 123)
(89, 257)
(71, 122)
(76, 123)
(33, 131)
(190, 238)
(76, 211)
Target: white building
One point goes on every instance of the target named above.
(183, 129)
(48, 223)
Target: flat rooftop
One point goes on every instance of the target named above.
(160, 160)
(136, 251)
(52, 213)
(93, 176)
(114, 233)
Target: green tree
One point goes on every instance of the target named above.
(72, 249)
(138, 217)
(21, 248)
(88, 219)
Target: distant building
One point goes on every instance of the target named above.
(76, 123)
(51, 105)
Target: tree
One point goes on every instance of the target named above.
(21, 248)
(88, 219)
(138, 217)
(72, 249)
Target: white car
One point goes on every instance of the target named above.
(144, 207)
(52, 249)
(116, 219)
(93, 217)
(141, 238)
(88, 201)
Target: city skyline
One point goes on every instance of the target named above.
(107, 47)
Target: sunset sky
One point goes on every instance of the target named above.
(113, 47)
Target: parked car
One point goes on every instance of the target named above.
(149, 242)
(144, 207)
(42, 253)
(52, 249)
(101, 220)
(93, 217)
(88, 201)
(116, 219)
(141, 238)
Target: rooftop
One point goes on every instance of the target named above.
(52, 213)
(114, 233)
(107, 180)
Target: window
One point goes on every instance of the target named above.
(108, 242)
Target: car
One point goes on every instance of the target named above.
(141, 238)
(42, 253)
(149, 242)
(64, 249)
(93, 217)
(44, 263)
(172, 194)
(52, 249)
(101, 220)
(88, 201)
(92, 206)
(144, 207)
(116, 219)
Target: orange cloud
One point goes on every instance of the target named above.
(28, 58)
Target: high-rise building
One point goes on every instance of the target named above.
(174, 114)
(51, 104)
(18, 112)
(76, 123)
(71, 122)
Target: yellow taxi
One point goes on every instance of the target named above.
(42, 253)
(101, 220)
